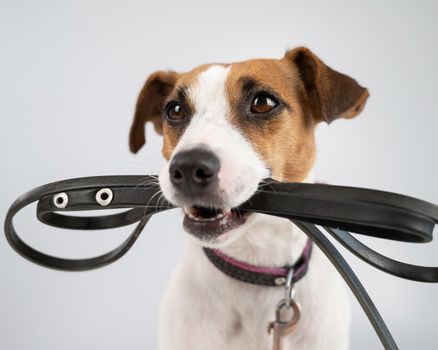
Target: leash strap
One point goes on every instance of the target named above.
(81, 195)
(352, 281)
(337, 208)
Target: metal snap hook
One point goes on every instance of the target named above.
(294, 309)
(289, 291)
(60, 200)
(104, 197)
(280, 328)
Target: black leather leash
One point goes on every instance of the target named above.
(337, 208)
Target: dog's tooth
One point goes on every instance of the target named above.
(191, 216)
(188, 210)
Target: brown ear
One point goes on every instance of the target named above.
(331, 94)
(149, 106)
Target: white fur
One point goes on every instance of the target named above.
(210, 127)
(205, 309)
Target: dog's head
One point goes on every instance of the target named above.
(226, 127)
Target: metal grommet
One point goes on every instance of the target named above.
(104, 196)
(280, 281)
(60, 200)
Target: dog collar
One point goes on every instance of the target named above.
(264, 276)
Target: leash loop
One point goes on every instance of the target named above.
(336, 208)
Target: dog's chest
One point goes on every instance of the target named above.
(217, 312)
(205, 309)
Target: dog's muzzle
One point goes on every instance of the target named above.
(194, 174)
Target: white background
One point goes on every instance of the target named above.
(69, 76)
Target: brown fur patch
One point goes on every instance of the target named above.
(286, 141)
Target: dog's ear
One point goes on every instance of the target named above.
(149, 106)
(331, 95)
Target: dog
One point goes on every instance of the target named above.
(226, 128)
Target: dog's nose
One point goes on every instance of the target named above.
(194, 170)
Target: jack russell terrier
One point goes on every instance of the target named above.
(226, 128)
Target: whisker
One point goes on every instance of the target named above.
(150, 199)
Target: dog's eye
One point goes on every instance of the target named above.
(263, 103)
(175, 112)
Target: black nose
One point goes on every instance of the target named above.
(195, 170)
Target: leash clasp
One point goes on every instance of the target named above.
(281, 328)
(289, 291)
(286, 307)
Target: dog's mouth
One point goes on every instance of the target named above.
(209, 223)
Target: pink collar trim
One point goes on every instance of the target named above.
(268, 276)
